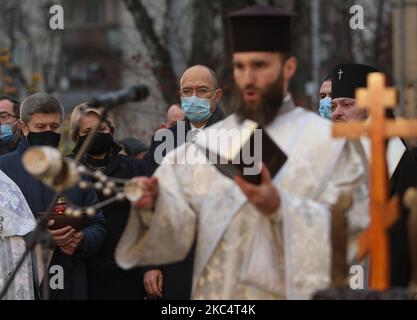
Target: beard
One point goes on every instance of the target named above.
(271, 102)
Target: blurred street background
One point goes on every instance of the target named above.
(111, 44)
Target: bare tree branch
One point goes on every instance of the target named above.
(159, 54)
(203, 33)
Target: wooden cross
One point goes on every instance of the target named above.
(384, 211)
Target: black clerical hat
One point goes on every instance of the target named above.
(346, 78)
(261, 28)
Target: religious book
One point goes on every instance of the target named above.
(241, 151)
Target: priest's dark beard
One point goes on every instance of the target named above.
(266, 112)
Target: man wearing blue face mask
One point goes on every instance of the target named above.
(200, 95)
(9, 118)
(325, 109)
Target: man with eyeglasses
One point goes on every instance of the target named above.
(200, 95)
(41, 125)
(325, 95)
(16, 219)
(9, 130)
(265, 241)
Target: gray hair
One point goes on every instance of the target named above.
(40, 103)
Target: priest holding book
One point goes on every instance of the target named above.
(267, 240)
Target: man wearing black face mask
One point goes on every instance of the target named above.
(106, 280)
(42, 117)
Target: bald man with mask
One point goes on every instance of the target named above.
(190, 201)
(200, 95)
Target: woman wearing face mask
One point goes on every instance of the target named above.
(9, 120)
(105, 279)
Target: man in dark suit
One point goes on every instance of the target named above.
(200, 95)
(9, 130)
(41, 125)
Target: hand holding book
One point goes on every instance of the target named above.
(265, 196)
(241, 151)
(250, 157)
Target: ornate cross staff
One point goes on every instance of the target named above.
(384, 211)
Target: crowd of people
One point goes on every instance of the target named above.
(196, 233)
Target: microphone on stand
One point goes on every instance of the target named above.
(113, 99)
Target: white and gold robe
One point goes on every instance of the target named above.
(16, 220)
(196, 200)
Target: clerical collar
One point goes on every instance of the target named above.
(288, 105)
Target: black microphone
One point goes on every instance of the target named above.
(113, 99)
